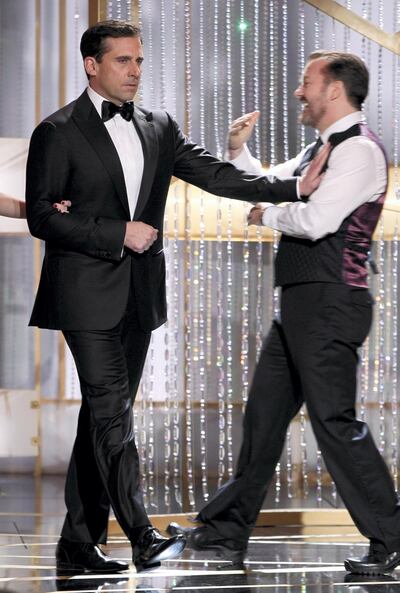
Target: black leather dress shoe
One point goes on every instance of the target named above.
(78, 558)
(373, 563)
(200, 538)
(151, 548)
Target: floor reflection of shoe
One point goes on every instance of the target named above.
(201, 539)
(373, 563)
(79, 558)
(151, 548)
(370, 584)
(91, 584)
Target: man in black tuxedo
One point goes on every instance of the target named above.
(103, 276)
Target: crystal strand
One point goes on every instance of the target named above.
(167, 367)
(189, 362)
(150, 55)
(175, 335)
(333, 35)
(275, 315)
(202, 286)
(259, 292)
(77, 17)
(202, 356)
(364, 378)
(300, 66)
(229, 265)
(303, 446)
(347, 35)
(228, 329)
(272, 84)
(172, 90)
(317, 42)
(220, 352)
(264, 77)
(129, 11)
(188, 67)
(380, 75)
(119, 10)
(143, 435)
(396, 105)
(189, 311)
(110, 9)
(394, 378)
(216, 81)
(319, 478)
(387, 363)
(151, 431)
(381, 343)
(163, 60)
(167, 345)
(244, 350)
(285, 85)
(242, 60)
(256, 63)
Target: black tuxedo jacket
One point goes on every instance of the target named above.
(85, 278)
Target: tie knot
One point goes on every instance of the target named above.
(109, 109)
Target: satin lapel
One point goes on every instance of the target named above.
(88, 121)
(145, 128)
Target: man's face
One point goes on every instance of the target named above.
(117, 76)
(313, 93)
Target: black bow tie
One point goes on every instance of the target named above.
(108, 110)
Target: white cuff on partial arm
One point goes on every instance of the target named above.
(246, 161)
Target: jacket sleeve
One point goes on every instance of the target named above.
(47, 181)
(198, 167)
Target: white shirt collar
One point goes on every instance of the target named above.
(96, 99)
(342, 124)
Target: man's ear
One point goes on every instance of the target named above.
(90, 66)
(336, 90)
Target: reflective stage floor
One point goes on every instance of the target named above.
(280, 560)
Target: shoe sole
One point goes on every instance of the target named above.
(172, 551)
(370, 571)
(65, 571)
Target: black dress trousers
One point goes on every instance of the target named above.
(311, 355)
(104, 466)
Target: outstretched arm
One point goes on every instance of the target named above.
(11, 207)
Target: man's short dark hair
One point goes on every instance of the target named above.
(94, 39)
(349, 69)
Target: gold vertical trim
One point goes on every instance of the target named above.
(97, 11)
(135, 6)
(62, 78)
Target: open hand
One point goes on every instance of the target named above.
(312, 178)
(240, 131)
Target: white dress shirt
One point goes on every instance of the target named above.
(129, 148)
(356, 174)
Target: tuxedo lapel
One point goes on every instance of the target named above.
(145, 128)
(89, 122)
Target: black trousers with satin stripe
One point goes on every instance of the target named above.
(311, 355)
(104, 466)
